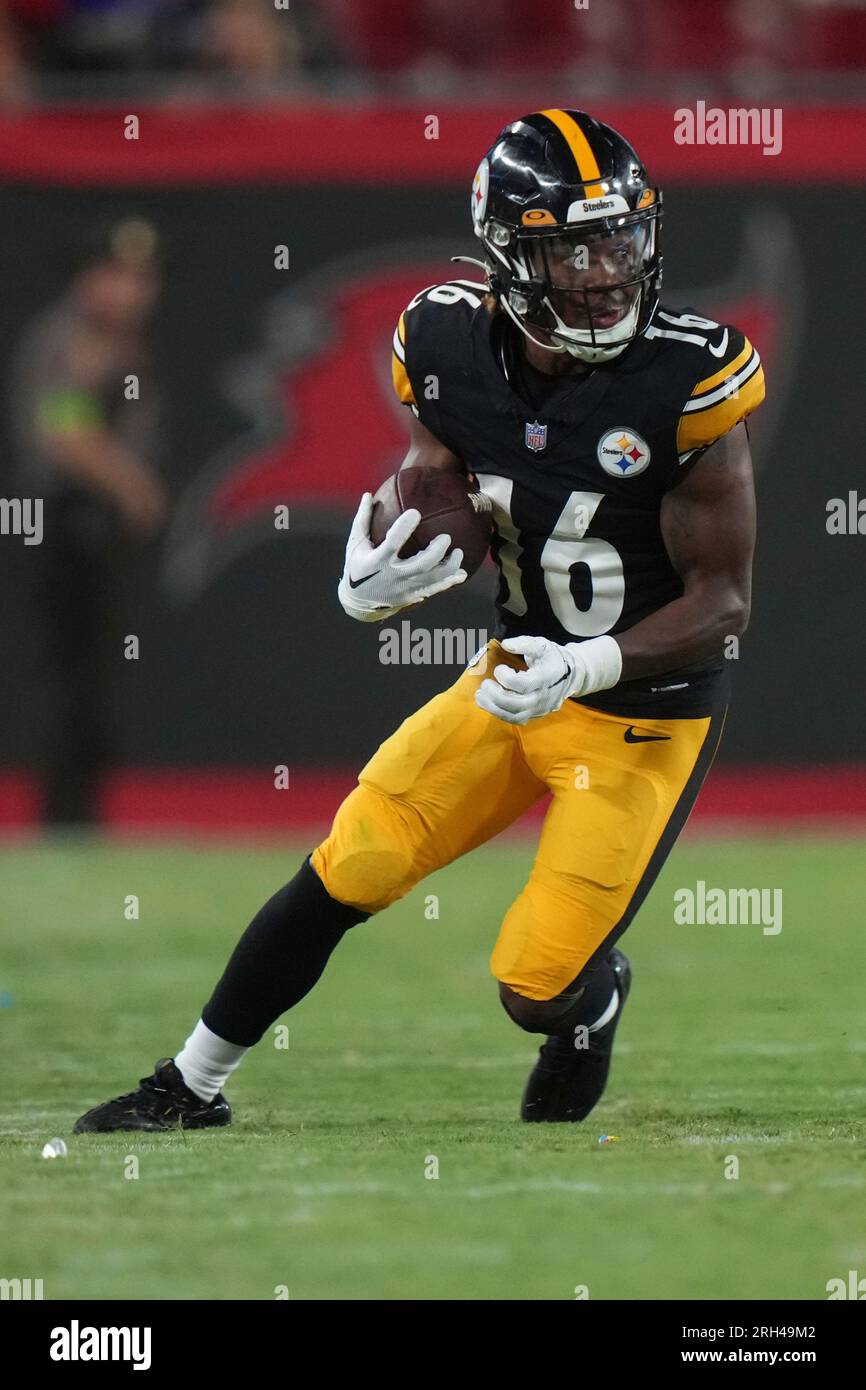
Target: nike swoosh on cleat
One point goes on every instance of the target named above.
(631, 737)
(356, 583)
(720, 350)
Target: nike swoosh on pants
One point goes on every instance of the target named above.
(631, 737)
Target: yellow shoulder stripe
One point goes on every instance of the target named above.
(402, 384)
(729, 369)
(704, 426)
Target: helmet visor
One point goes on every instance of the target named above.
(593, 278)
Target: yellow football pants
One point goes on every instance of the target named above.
(452, 776)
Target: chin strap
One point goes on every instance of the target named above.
(494, 287)
(548, 347)
(471, 260)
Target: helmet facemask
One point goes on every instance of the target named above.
(589, 289)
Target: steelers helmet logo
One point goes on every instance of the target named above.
(622, 453)
(478, 201)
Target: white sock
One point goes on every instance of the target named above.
(606, 1017)
(206, 1061)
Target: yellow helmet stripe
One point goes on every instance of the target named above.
(581, 149)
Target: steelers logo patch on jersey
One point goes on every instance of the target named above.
(623, 453)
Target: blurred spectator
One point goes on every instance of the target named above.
(269, 49)
(15, 83)
(831, 35)
(249, 50)
(615, 44)
(83, 448)
(249, 38)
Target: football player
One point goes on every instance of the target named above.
(608, 431)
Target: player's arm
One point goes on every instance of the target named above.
(708, 527)
(707, 520)
(376, 582)
(426, 451)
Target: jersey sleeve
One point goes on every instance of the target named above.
(731, 386)
(403, 387)
(432, 354)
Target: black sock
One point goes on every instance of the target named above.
(278, 959)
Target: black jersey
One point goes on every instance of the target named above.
(577, 467)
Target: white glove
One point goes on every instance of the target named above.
(555, 673)
(376, 583)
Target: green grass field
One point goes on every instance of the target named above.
(734, 1043)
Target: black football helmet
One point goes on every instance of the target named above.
(570, 226)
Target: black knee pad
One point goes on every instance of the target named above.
(578, 1005)
(541, 1015)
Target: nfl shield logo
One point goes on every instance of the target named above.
(536, 436)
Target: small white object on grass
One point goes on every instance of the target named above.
(55, 1148)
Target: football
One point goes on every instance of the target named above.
(449, 502)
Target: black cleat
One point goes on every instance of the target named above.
(161, 1102)
(566, 1083)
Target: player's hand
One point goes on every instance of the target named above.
(553, 674)
(376, 583)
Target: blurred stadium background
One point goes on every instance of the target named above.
(310, 127)
(348, 131)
